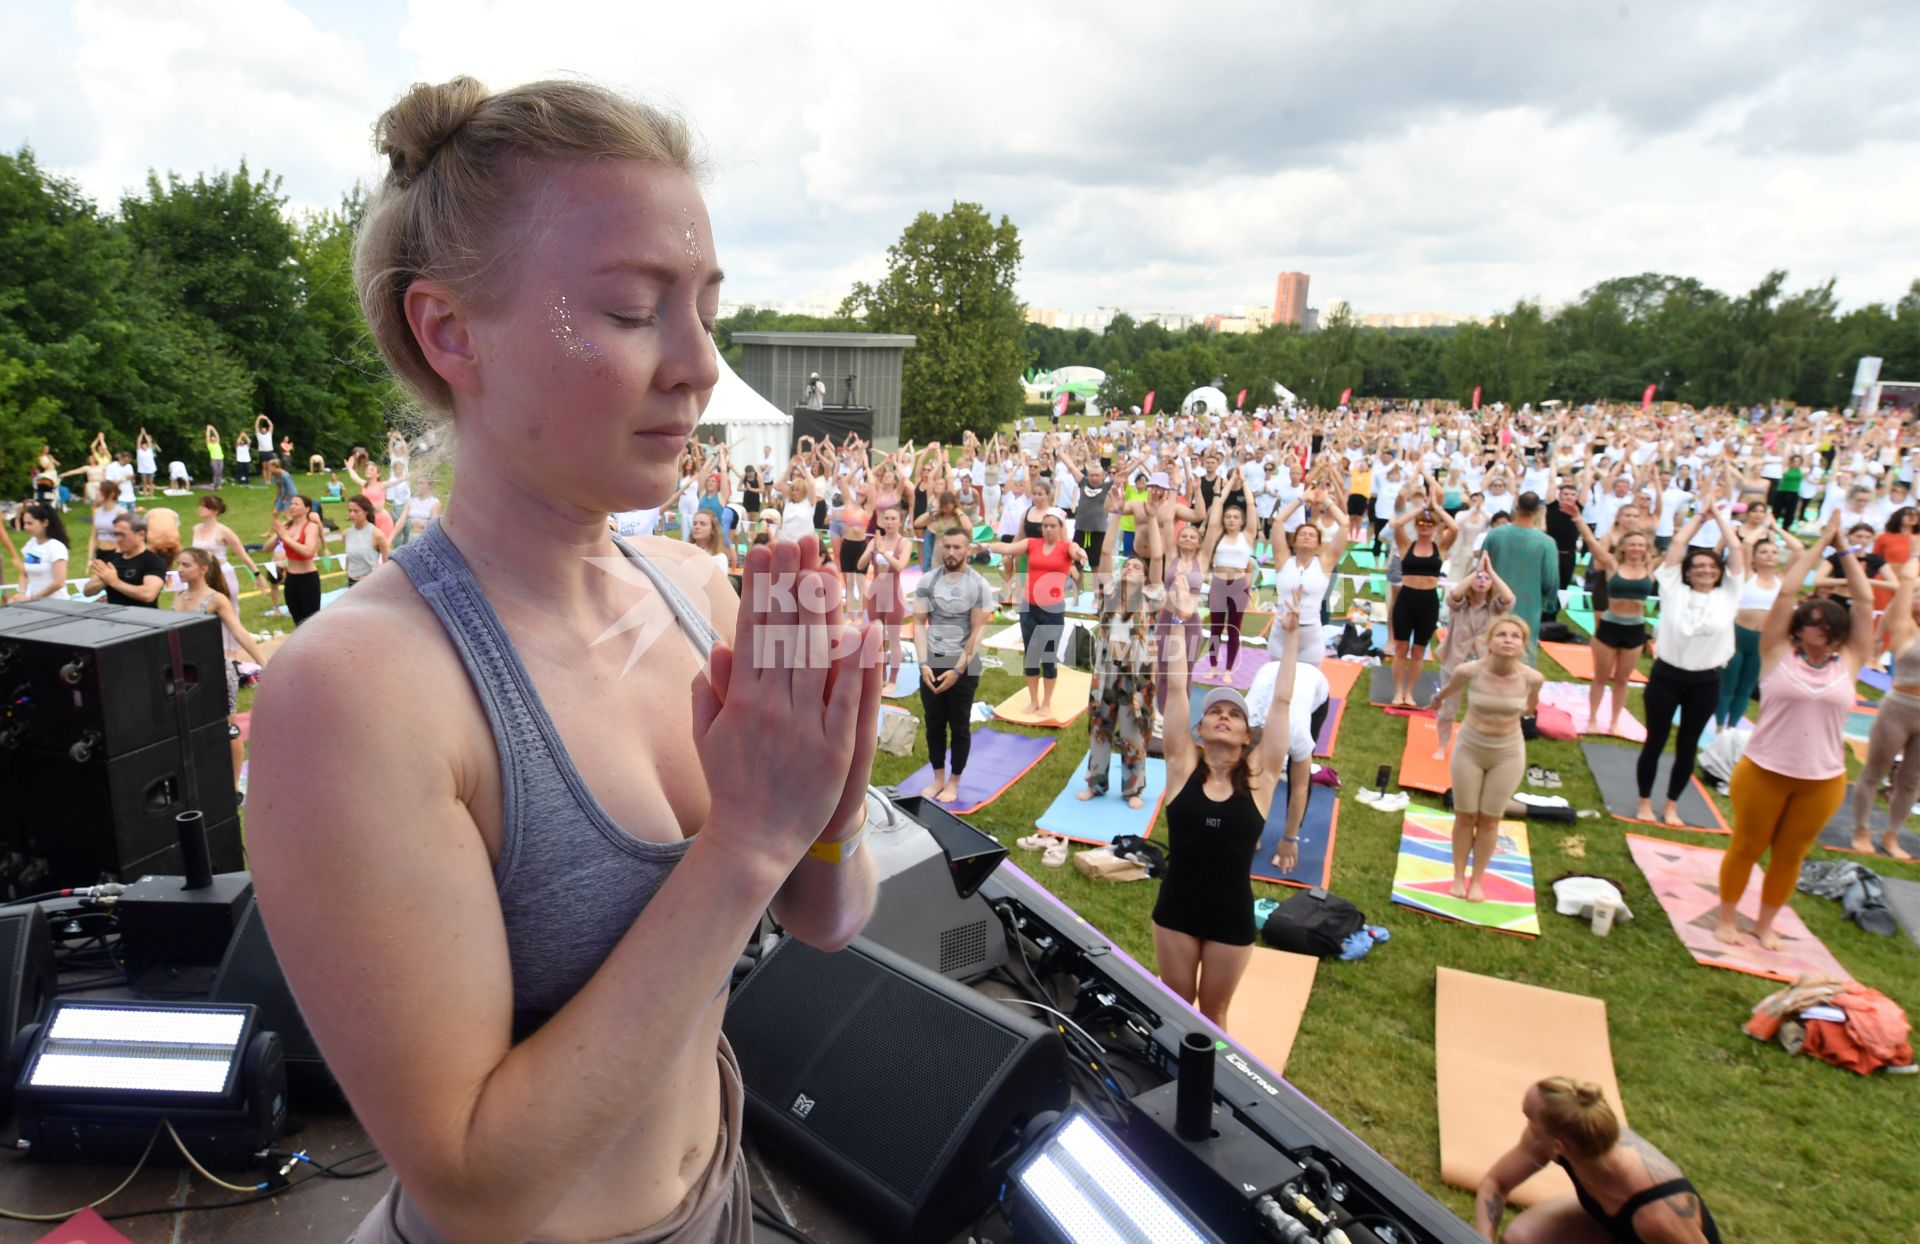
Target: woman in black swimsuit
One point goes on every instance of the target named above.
(1625, 1191)
(1224, 782)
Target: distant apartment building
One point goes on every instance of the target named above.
(1290, 299)
(1416, 319)
(1046, 317)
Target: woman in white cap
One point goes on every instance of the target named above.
(1224, 780)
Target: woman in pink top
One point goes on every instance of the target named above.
(1793, 777)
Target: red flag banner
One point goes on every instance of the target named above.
(1146, 407)
(1060, 403)
(1646, 399)
(1476, 397)
(1240, 401)
(1346, 395)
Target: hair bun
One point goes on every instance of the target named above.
(425, 119)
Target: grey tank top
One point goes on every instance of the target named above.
(570, 880)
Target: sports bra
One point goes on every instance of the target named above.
(1754, 596)
(1427, 564)
(1619, 1225)
(1630, 589)
(1232, 553)
(1906, 666)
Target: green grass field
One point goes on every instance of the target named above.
(1760, 1132)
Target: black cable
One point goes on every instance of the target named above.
(764, 1215)
(320, 1172)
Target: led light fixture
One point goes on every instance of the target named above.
(1077, 1185)
(98, 1077)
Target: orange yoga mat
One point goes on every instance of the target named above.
(1418, 769)
(1264, 1016)
(1577, 660)
(1342, 676)
(1492, 1039)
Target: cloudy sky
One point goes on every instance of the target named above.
(1410, 155)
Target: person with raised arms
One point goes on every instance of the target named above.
(1490, 755)
(521, 992)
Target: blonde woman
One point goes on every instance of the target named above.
(522, 995)
(1490, 755)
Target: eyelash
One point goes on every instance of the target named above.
(649, 321)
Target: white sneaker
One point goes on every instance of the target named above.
(1396, 802)
(1369, 797)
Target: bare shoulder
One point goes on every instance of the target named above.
(1534, 677)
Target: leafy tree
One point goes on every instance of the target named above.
(352, 391)
(949, 282)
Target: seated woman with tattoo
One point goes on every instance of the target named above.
(1624, 1190)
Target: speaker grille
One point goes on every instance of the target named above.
(963, 947)
(930, 1061)
(13, 962)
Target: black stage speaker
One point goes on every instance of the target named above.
(100, 677)
(26, 976)
(251, 973)
(112, 816)
(897, 1092)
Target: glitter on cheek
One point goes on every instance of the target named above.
(560, 323)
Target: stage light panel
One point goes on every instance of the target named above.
(161, 1049)
(1091, 1192)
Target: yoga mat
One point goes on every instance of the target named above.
(1879, 680)
(1613, 771)
(1239, 675)
(1571, 698)
(1380, 686)
(1341, 676)
(1582, 618)
(328, 597)
(1330, 728)
(1425, 871)
(1264, 1016)
(906, 680)
(1577, 660)
(1104, 817)
(1007, 640)
(1317, 830)
(1904, 897)
(1366, 559)
(1418, 769)
(1382, 637)
(1838, 835)
(1070, 694)
(1494, 1039)
(997, 761)
(1686, 881)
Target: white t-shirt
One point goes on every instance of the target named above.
(266, 441)
(630, 523)
(40, 556)
(1310, 691)
(242, 452)
(121, 474)
(1696, 628)
(143, 461)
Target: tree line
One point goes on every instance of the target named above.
(1698, 345)
(197, 302)
(203, 301)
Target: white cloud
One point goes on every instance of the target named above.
(1414, 155)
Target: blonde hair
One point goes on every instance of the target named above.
(459, 160)
(1509, 619)
(1576, 1113)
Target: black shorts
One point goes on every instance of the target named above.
(1416, 613)
(851, 551)
(1622, 635)
(1356, 505)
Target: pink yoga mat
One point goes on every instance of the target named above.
(1686, 881)
(997, 761)
(1571, 698)
(1239, 675)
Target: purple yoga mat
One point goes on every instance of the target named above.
(1323, 746)
(997, 761)
(1239, 675)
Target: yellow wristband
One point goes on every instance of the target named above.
(841, 851)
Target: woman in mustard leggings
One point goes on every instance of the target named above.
(1489, 752)
(1793, 776)
(1896, 728)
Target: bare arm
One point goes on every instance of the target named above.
(1509, 1171)
(1177, 738)
(1774, 631)
(1274, 739)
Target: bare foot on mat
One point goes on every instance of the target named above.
(1769, 940)
(1891, 845)
(1475, 894)
(1728, 933)
(1085, 794)
(1643, 811)
(1672, 818)
(1458, 889)
(1134, 801)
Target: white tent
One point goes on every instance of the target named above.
(1285, 394)
(739, 416)
(1211, 400)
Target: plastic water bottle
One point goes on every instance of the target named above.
(1604, 910)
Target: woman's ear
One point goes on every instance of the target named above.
(443, 331)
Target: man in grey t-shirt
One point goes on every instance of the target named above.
(951, 609)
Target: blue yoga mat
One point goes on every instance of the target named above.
(998, 759)
(1315, 865)
(1879, 680)
(327, 598)
(906, 680)
(1102, 819)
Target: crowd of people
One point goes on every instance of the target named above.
(585, 855)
